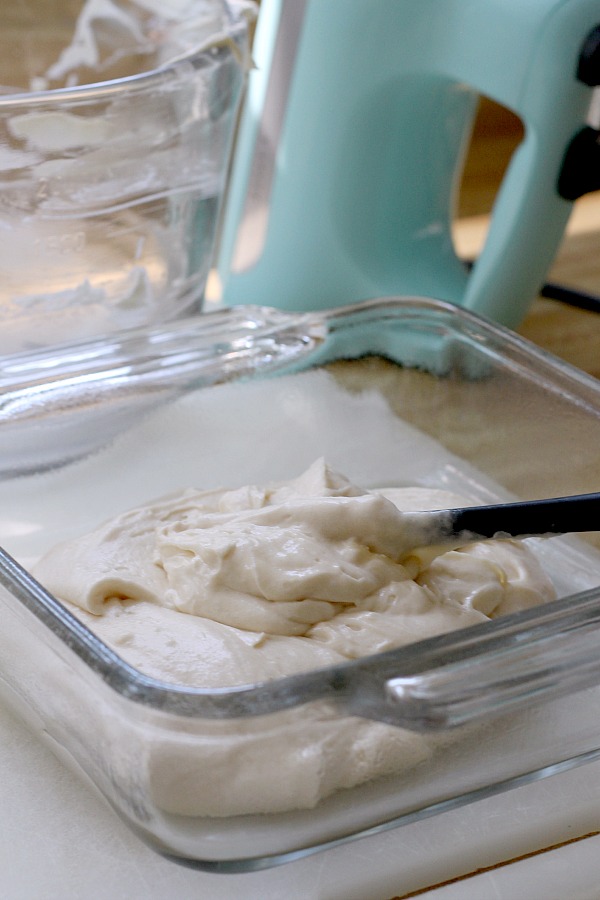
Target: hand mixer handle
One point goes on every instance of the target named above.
(529, 215)
(351, 142)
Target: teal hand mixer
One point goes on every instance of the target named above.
(352, 140)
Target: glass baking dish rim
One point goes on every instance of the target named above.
(176, 352)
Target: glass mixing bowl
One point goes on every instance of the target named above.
(116, 124)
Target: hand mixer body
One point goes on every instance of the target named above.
(352, 141)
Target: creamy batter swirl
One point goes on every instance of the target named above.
(228, 587)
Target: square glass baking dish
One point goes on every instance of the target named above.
(391, 392)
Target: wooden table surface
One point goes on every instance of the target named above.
(570, 333)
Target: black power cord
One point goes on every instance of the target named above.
(571, 296)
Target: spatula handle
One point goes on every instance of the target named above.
(560, 515)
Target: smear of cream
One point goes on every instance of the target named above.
(57, 131)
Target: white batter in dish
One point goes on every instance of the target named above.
(229, 587)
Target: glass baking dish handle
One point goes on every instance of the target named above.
(539, 654)
(213, 347)
(85, 394)
(81, 395)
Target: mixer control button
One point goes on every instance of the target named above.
(588, 69)
(580, 172)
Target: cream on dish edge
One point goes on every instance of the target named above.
(227, 587)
